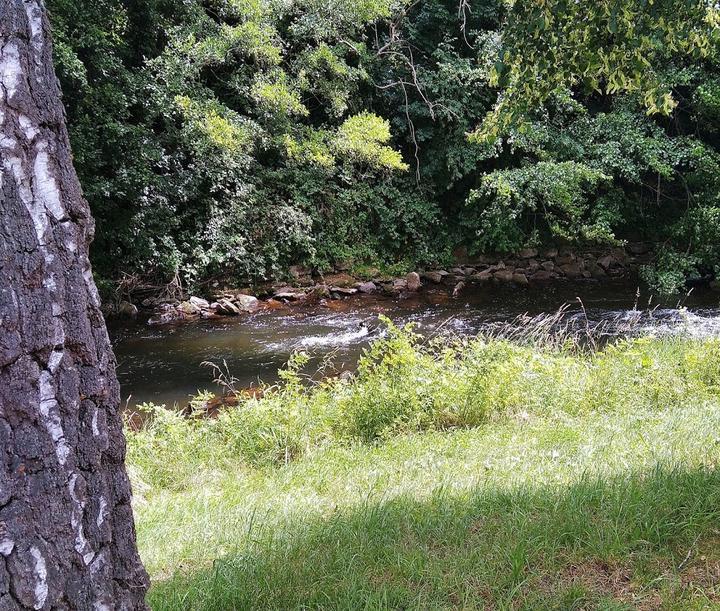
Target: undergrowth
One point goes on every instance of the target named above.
(406, 384)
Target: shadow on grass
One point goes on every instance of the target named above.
(640, 541)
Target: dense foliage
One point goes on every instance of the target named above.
(219, 138)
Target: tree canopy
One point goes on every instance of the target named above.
(235, 139)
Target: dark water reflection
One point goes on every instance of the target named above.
(163, 364)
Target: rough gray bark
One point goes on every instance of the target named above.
(67, 538)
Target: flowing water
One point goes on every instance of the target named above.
(164, 365)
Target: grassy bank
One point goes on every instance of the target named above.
(481, 475)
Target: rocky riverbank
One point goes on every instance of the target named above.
(529, 267)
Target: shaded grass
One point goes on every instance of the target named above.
(615, 541)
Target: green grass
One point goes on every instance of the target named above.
(564, 481)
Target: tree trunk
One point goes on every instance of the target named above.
(67, 538)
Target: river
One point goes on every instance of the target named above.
(164, 365)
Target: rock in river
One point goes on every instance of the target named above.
(247, 303)
(413, 282)
(127, 309)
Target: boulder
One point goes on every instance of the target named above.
(318, 292)
(458, 289)
(289, 295)
(343, 291)
(341, 280)
(549, 253)
(127, 309)
(520, 279)
(571, 270)
(188, 308)
(412, 281)
(596, 271)
(528, 253)
(503, 275)
(548, 266)
(542, 275)
(227, 307)
(565, 258)
(367, 287)
(481, 277)
(435, 276)
(199, 302)
(247, 303)
(607, 262)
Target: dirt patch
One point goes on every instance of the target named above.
(701, 572)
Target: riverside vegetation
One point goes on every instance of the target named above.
(233, 139)
(480, 473)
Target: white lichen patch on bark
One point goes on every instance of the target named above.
(10, 69)
(34, 16)
(90, 284)
(28, 128)
(46, 189)
(40, 574)
(50, 413)
(101, 512)
(95, 428)
(82, 546)
(6, 546)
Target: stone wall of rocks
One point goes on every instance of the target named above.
(529, 267)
